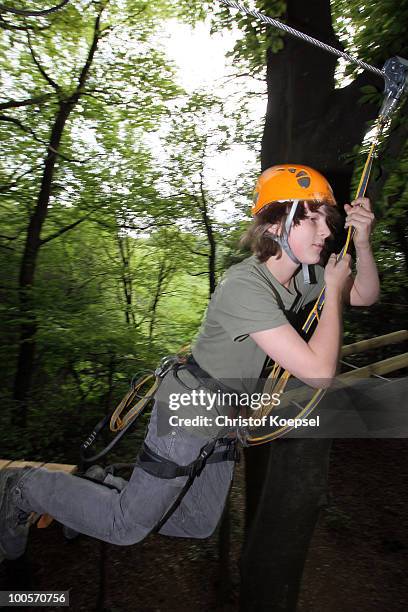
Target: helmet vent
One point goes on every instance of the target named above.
(303, 179)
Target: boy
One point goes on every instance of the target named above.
(254, 313)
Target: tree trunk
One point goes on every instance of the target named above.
(276, 548)
(212, 260)
(202, 203)
(32, 246)
(224, 545)
(25, 362)
(307, 122)
(127, 284)
(165, 273)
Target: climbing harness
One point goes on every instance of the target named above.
(120, 424)
(395, 75)
(216, 450)
(160, 467)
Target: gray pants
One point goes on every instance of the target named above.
(127, 516)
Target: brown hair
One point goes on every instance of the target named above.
(260, 241)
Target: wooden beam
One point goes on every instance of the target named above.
(304, 393)
(54, 467)
(386, 366)
(374, 343)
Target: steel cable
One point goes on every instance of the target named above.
(302, 36)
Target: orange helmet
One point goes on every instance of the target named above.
(288, 182)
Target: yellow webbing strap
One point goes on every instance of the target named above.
(310, 406)
(117, 422)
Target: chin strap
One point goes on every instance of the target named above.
(283, 241)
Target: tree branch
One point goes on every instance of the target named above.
(28, 130)
(14, 183)
(197, 273)
(6, 25)
(43, 73)
(92, 49)
(64, 229)
(27, 102)
(22, 127)
(133, 227)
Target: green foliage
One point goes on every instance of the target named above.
(117, 283)
(374, 31)
(249, 51)
(122, 275)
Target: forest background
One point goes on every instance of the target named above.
(115, 228)
(112, 237)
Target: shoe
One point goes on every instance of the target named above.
(95, 472)
(14, 525)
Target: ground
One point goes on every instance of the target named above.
(357, 561)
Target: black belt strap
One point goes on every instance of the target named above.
(160, 467)
(204, 378)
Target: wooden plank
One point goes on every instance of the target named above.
(304, 393)
(61, 467)
(21, 464)
(53, 467)
(373, 343)
(381, 367)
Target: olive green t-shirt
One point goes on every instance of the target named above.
(249, 299)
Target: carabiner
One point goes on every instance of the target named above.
(165, 365)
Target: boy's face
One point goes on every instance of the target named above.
(307, 239)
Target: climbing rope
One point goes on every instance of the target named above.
(25, 13)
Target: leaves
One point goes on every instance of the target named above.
(121, 273)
